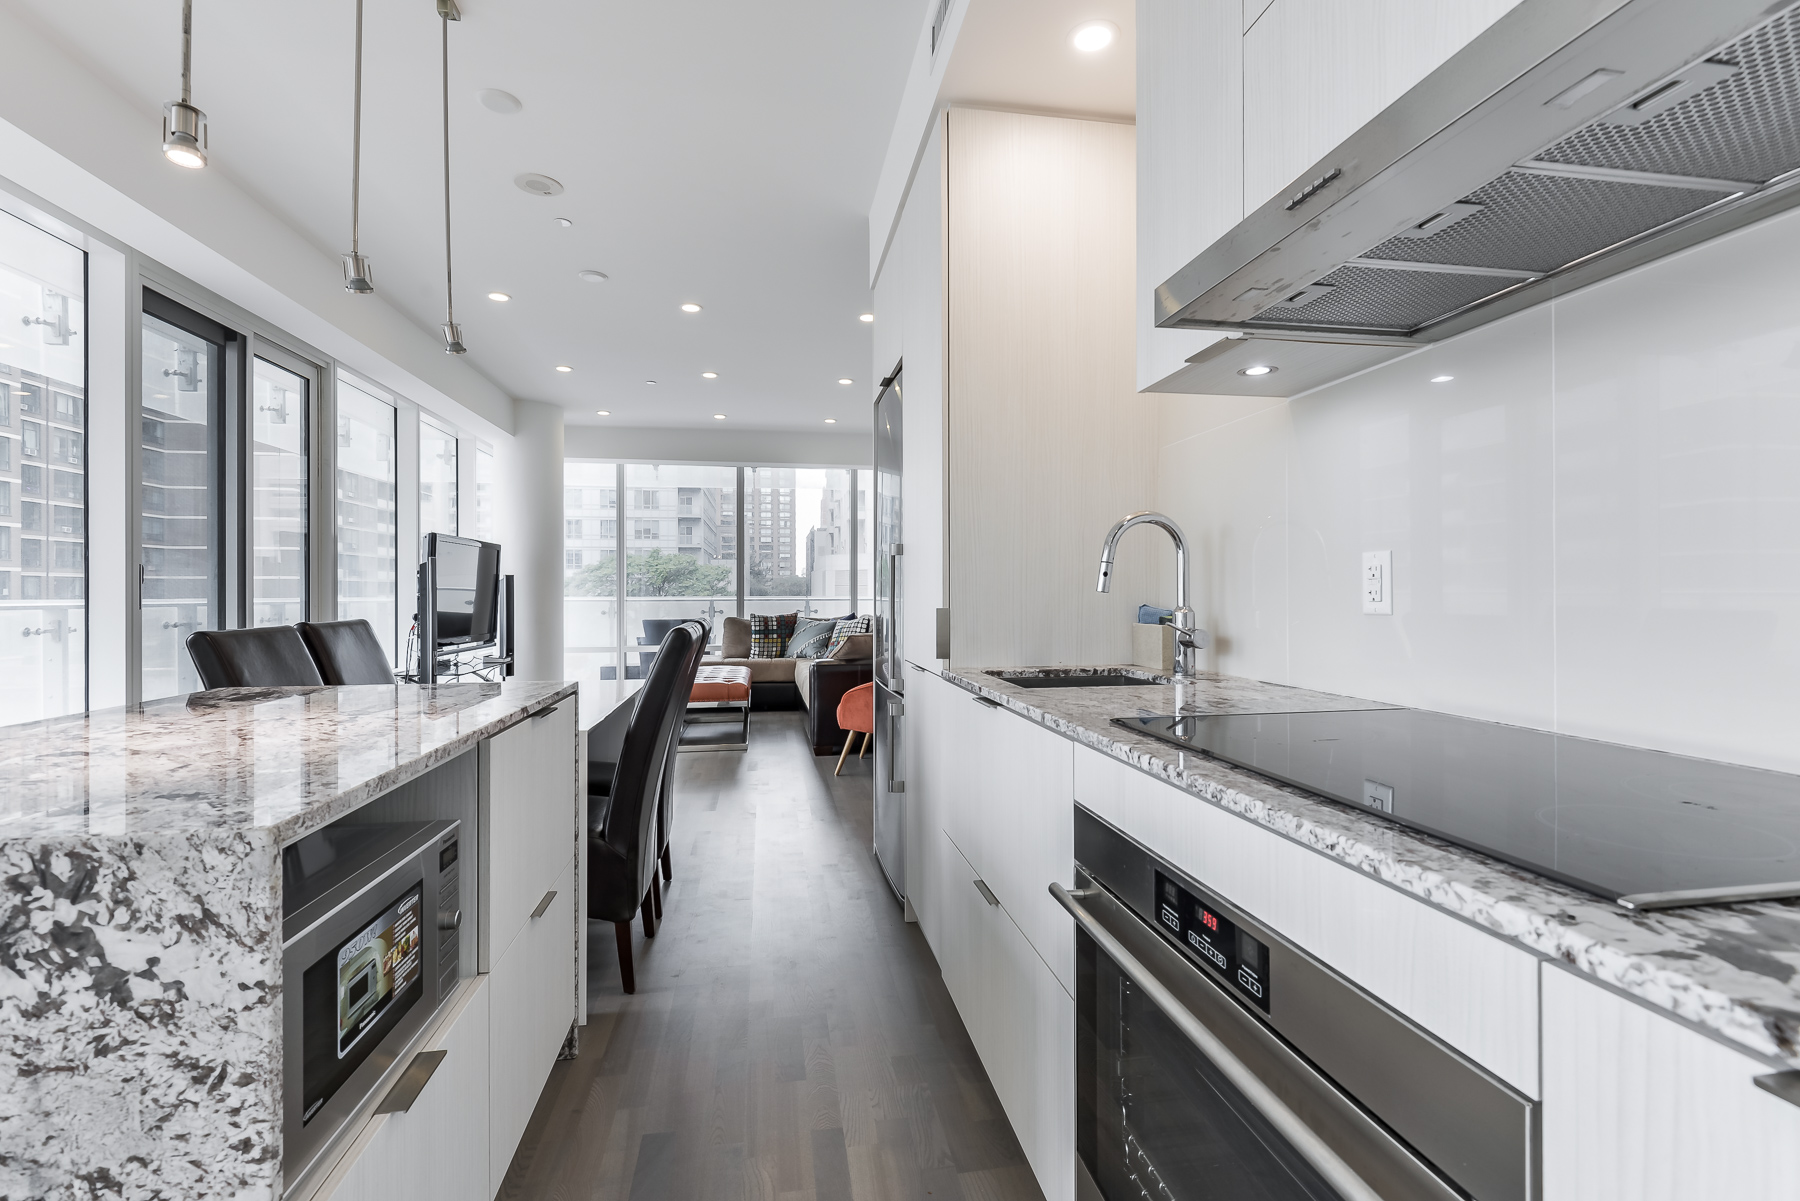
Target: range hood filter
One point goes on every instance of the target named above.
(1720, 135)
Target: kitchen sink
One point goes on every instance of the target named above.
(1079, 679)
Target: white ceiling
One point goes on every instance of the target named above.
(715, 152)
(1016, 54)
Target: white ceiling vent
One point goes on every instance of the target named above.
(538, 185)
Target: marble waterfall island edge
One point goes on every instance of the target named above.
(140, 947)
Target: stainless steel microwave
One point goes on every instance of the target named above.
(369, 952)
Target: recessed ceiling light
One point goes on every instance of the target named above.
(1257, 371)
(591, 276)
(1093, 35)
(690, 308)
(846, 381)
(496, 101)
(564, 222)
(709, 375)
(651, 382)
(867, 317)
(718, 416)
(831, 421)
(564, 368)
(500, 296)
(1442, 379)
(153, 395)
(603, 412)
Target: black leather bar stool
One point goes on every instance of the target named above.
(270, 657)
(665, 804)
(622, 829)
(346, 652)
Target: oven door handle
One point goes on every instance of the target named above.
(1323, 1159)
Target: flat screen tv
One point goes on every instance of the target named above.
(468, 583)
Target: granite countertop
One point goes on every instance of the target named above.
(1733, 970)
(280, 761)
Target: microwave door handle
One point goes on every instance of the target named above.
(1323, 1159)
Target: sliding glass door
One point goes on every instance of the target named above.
(180, 487)
(367, 512)
(43, 474)
(278, 550)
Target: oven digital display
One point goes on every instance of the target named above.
(1194, 921)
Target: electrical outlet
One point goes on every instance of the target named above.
(1378, 581)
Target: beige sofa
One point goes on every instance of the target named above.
(815, 684)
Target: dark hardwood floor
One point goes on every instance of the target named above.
(790, 1037)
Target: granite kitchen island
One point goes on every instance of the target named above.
(141, 953)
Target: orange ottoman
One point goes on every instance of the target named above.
(718, 687)
(856, 713)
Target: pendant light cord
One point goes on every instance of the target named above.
(187, 52)
(355, 142)
(449, 288)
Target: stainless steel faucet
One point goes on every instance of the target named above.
(1188, 640)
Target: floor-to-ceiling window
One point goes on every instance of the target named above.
(484, 491)
(590, 575)
(43, 467)
(437, 478)
(675, 565)
(367, 513)
(678, 530)
(179, 489)
(278, 566)
(797, 553)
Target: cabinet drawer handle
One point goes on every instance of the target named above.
(412, 1082)
(982, 700)
(543, 905)
(987, 894)
(1785, 1085)
(545, 713)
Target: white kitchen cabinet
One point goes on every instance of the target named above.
(527, 803)
(532, 1007)
(1638, 1107)
(1027, 831)
(438, 1149)
(1316, 70)
(1476, 991)
(1190, 159)
(1021, 1020)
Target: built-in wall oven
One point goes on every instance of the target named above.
(1216, 1061)
(370, 915)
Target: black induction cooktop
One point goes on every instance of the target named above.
(1646, 829)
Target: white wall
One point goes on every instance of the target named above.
(1595, 525)
(530, 519)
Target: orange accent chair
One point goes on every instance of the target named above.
(856, 713)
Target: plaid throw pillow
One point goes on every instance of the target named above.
(847, 626)
(769, 634)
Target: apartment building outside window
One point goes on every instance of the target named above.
(437, 478)
(43, 389)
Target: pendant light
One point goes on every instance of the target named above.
(184, 126)
(453, 344)
(357, 276)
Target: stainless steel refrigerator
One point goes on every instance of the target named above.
(890, 666)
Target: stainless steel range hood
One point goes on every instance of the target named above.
(1570, 141)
